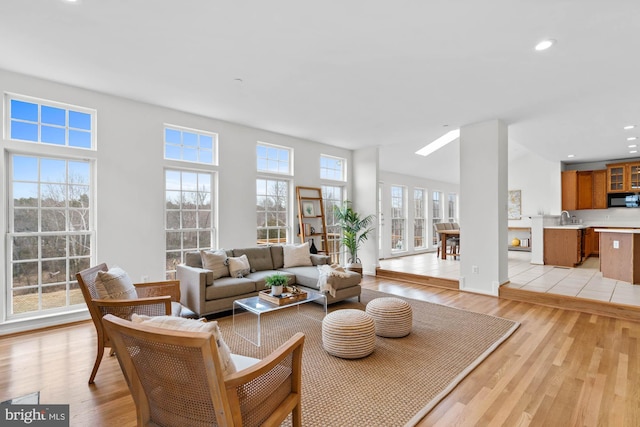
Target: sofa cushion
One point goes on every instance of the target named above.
(259, 257)
(308, 277)
(239, 266)
(226, 287)
(277, 255)
(216, 262)
(296, 255)
(193, 259)
(192, 325)
(259, 278)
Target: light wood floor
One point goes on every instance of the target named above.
(560, 368)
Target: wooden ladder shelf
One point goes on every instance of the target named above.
(311, 218)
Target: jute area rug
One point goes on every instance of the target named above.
(399, 383)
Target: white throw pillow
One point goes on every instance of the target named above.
(192, 325)
(216, 261)
(296, 255)
(115, 284)
(239, 266)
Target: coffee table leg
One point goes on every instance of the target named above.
(237, 332)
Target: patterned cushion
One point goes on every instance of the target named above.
(239, 266)
(192, 325)
(115, 284)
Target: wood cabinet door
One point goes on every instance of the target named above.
(585, 190)
(599, 190)
(569, 190)
(633, 175)
(616, 178)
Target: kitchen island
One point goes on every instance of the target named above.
(620, 254)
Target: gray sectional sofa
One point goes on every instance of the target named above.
(203, 294)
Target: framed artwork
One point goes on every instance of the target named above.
(515, 204)
(308, 209)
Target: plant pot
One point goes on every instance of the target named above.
(355, 266)
(276, 290)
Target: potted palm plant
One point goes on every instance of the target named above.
(276, 282)
(355, 231)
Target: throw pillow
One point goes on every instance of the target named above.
(216, 262)
(239, 266)
(115, 284)
(296, 255)
(192, 325)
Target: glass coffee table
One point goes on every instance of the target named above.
(260, 306)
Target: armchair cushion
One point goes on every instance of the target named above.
(192, 325)
(115, 284)
(216, 261)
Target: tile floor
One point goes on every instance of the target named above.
(586, 281)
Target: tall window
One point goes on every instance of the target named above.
(50, 230)
(189, 221)
(190, 145)
(49, 122)
(274, 159)
(436, 213)
(333, 168)
(452, 207)
(272, 209)
(398, 219)
(419, 230)
(332, 195)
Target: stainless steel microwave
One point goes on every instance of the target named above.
(623, 200)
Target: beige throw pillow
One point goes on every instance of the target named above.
(239, 266)
(192, 325)
(296, 255)
(115, 284)
(216, 261)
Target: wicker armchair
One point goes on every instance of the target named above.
(176, 379)
(155, 299)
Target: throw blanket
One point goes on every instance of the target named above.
(326, 271)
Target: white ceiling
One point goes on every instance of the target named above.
(355, 73)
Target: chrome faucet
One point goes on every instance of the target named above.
(562, 220)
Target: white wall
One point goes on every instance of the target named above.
(130, 174)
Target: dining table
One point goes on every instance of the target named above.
(444, 235)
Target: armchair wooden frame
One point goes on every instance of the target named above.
(176, 378)
(154, 300)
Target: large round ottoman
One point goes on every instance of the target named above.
(349, 334)
(393, 316)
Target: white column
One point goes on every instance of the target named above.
(483, 207)
(365, 201)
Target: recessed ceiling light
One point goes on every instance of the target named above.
(632, 138)
(633, 151)
(439, 143)
(629, 127)
(545, 44)
(571, 156)
(633, 145)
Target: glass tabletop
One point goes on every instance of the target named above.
(261, 305)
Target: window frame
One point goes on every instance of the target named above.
(343, 168)
(211, 230)
(39, 122)
(439, 210)
(279, 148)
(419, 214)
(73, 295)
(199, 133)
(402, 218)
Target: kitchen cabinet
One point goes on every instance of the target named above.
(584, 190)
(563, 246)
(620, 254)
(623, 177)
(591, 242)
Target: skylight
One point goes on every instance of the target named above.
(439, 143)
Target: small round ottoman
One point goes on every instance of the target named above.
(393, 316)
(349, 334)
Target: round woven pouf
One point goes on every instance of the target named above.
(349, 334)
(393, 316)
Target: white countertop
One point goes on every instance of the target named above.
(567, 227)
(618, 230)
